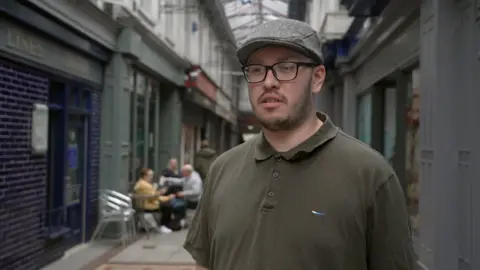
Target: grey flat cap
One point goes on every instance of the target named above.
(292, 34)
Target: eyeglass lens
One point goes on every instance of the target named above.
(282, 71)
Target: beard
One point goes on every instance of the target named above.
(295, 117)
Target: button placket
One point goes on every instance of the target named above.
(270, 201)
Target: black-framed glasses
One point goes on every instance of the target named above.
(283, 71)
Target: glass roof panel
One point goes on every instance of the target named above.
(243, 15)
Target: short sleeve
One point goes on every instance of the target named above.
(389, 235)
(198, 239)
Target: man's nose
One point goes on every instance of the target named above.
(270, 80)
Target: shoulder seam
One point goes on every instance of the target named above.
(360, 142)
(383, 184)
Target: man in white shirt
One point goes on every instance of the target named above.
(192, 186)
(189, 197)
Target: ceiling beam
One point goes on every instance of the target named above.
(244, 25)
(260, 11)
(252, 13)
(274, 12)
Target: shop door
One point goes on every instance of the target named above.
(75, 176)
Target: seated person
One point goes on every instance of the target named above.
(151, 198)
(170, 177)
(192, 187)
(191, 193)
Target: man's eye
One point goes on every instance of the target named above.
(287, 67)
(255, 70)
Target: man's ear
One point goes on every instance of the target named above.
(318, 77)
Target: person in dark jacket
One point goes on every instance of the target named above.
(203, 159)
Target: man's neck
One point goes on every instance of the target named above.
(283, 141)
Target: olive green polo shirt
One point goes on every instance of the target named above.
(331, 203)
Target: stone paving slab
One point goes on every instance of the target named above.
(159, 249)
(81, 256)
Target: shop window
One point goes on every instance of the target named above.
(133, 85)
(144, 105)
(140, 125)
(188, 143)
(55, 220)
(152, 122)
(73, 98)
(389, 123)
(84, 100)
(412, 155)
(67, 156)
(364, 119)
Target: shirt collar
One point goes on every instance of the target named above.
(328, 131)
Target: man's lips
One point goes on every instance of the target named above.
(270, 101)
(270, 98)
(271, 105)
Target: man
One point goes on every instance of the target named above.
(302, 194)
(168, 180)
(192, 191)
(204, 158)
(172, 169)
(192, 187)
(170, 177)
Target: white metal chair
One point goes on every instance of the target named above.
(116, 207)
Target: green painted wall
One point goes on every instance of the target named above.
(170, 124)
(116, 111)
(115, 131)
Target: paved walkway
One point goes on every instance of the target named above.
(81, 256)
(159, 252)
(159, 249)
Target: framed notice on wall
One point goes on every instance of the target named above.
(39, 129)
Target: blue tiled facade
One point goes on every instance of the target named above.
(94, 164)
(23, 176)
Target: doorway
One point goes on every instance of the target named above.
(67, 163)
(75, 176)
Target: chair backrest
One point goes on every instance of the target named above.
(107, 206)
(113, 201)
(118, 195)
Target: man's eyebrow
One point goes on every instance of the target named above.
(287, 58)
(281, 59)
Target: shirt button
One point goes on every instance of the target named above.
(275, 175)
(270, 194)
(278, 159)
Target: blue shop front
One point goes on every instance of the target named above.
(50, 94)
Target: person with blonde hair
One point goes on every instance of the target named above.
(151, 198)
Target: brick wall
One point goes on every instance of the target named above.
(94, 166)
(22, 176)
